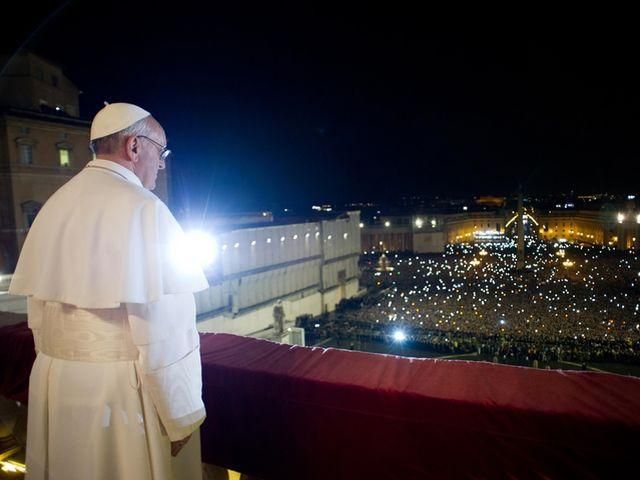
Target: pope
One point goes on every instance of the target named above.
(116, 388)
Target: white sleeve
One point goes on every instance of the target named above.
(169, 345)
(35, 310)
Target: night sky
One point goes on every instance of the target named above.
(289, 106)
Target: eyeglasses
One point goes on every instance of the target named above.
(164, 151)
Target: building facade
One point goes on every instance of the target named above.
(430, 233)
(617, 229)
(43, 143)
(309, 266)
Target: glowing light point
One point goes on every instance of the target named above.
(195, 248)
(399, 336)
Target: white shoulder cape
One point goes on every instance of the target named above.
(101, 240)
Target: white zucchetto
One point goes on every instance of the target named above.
(115, 117)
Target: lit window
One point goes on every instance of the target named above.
(64, 157)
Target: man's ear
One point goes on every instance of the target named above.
(131, 148)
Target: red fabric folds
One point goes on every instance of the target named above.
(281, 411)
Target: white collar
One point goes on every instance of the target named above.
(115, 168)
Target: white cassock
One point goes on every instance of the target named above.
(118, 375)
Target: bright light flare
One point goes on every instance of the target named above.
(195, 248)
(11, 466)
(399, 336)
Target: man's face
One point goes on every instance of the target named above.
(150, 157)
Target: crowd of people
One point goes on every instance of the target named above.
(571, 302)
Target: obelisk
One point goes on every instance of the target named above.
(520, 257)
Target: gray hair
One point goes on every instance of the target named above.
(111, 143)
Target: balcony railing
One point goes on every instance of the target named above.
(282, 411)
